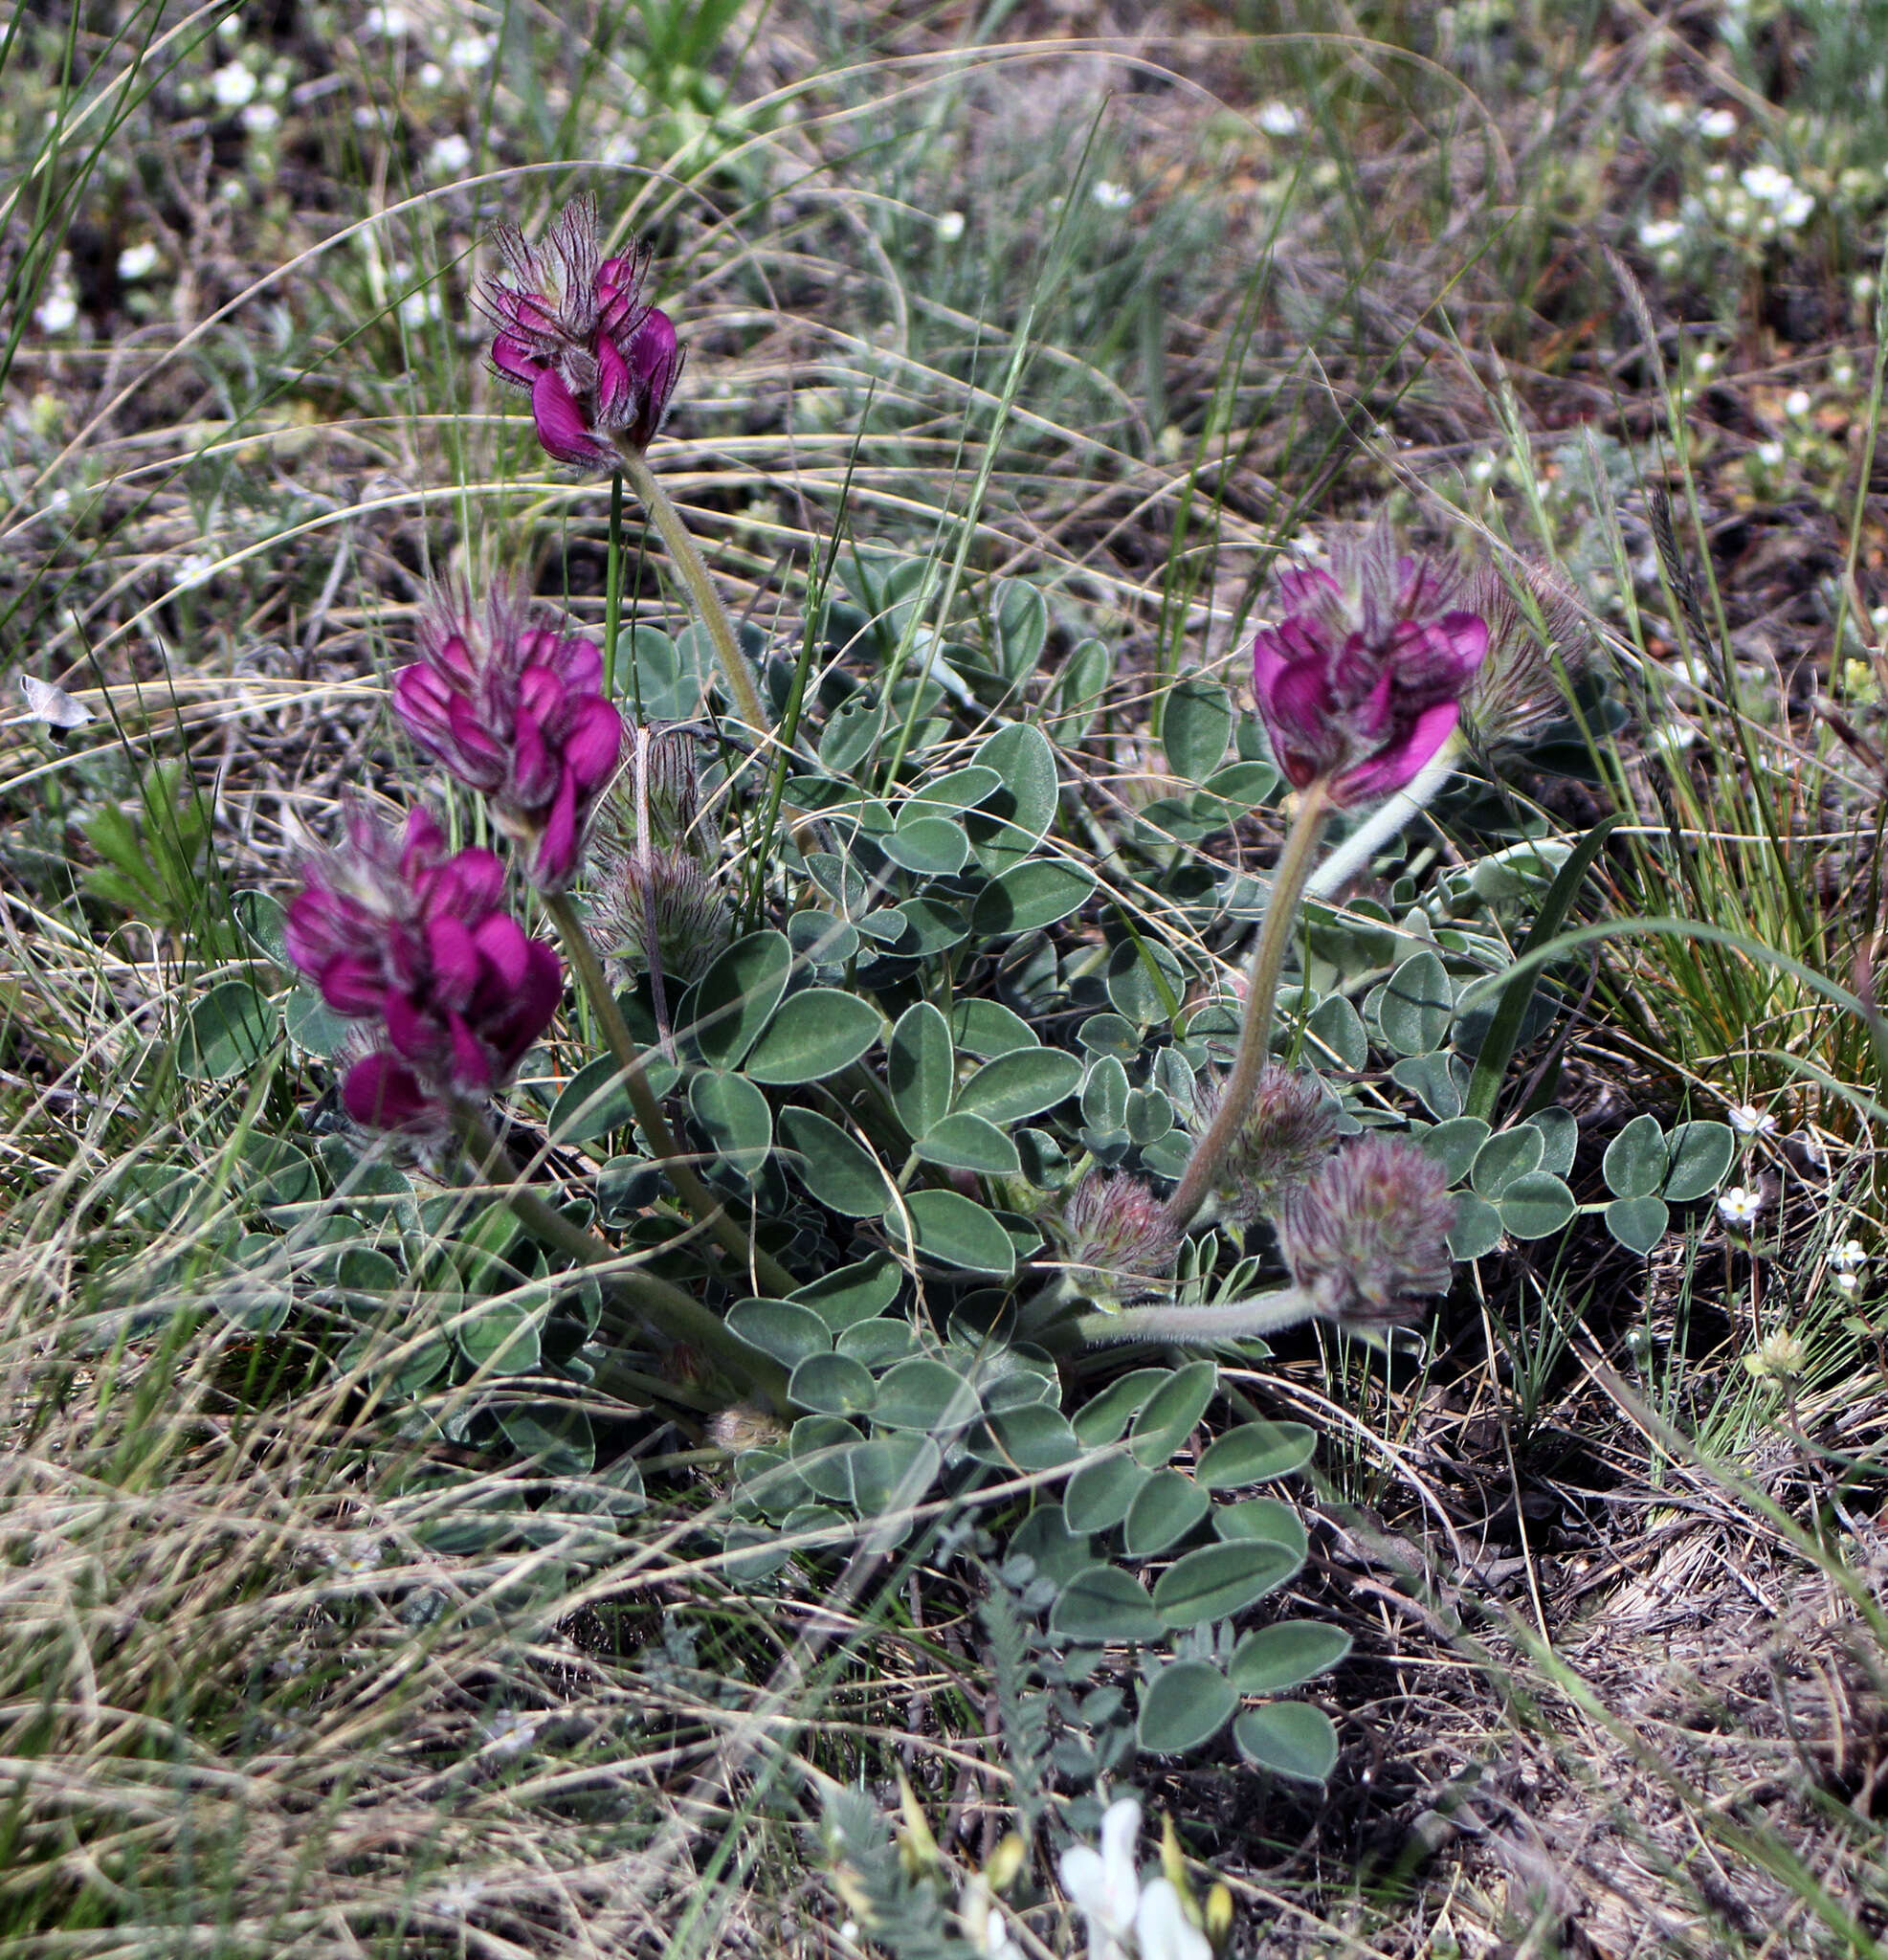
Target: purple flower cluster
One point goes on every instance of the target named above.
(517, 712)
(396, 931)
(1361, 682)
(1368, 1239)
(574, 333)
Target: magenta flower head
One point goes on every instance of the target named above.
(574, 333)
(516, 712)
(414, 941)
(1117, 1241)
(1361, 682)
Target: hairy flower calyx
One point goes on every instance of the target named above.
(1361, 682)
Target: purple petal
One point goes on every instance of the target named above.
(1301, 701)
(613, 372)
(594, 744)
(534, 769)
(1393, 767)
(355, 985)
(577, 662)
(412, 1033)
(1269, 660)
(557, 844)
(1302, 587)
(513, 362)
(312, 929)
(541, 694)
(532, 1007)
(472, 1067)
(455, 963)
(380, 1093)
(561, 427)
(423, 844)
(471, 884)
(505, 949)
(1467, 635)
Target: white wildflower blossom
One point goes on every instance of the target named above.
(418, 308)
(1280, 119)
(137, 262)
(512, 1731)
(1796, 403)
(950, 226)
(448, 156)
(1740, 1208)
(1110, 195)
(1656, 233)
(1850, 1256)
(192, 571)
(1748, 1120)
(233, 85)
(1769, 455)
(472, 52)
(1719, 126)
(392, 21)
(58, 311)
(260, 118)
(1126, 1920)
(430, 74)
(456, 1899)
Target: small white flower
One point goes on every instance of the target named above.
(418, 308)
(1280, 119)
(430, 74)
(448, 156)
(1162, 1929)
(849, 1929)
(1796, 210)
(1673, 111)
(137, 262)
(1740, 1208)
(1670, 738)
(233, 85)
(1719, 124)
(1656, 234)
(950, 226)
(1766, 184)
(471, 52)
(1748, 1120)
(192, 571)
(366, 116)
(1104, 1885)
(390, 21)
(455, 1899)
(58, 311)
(1110, 196)
(1848, 1283)
(1705, 361)
(508, 1733)
(1850, 1256)
(1769, 455)
(260, 118)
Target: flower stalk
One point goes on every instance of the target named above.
(708, 603)
(1288, 882)
(767, 1273)
(668, 1307)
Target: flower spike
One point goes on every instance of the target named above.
(574, 333)
(516, 712)
(415, 944)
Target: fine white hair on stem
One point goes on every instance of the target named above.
(1363, 844)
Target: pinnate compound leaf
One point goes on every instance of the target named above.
(1101, 1493)
(1167, 1509)
(1020, 1085)
(1187, 1705)
(1105, 1418)
(1170, 1412)
(1104, 1603)
(815, 1034)
(1534, 1205)
(919, 1067)
(1638, 1224)
(1273, 1659)
(1289, 1739)
(1700, 1154)
(1255, 1453)
(1219, 1580)
(1636, 1159)
(736, 997)
(1269, 1518)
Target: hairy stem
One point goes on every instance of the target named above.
(1288, 882)
(1237, 1319)
(694, 570)
(668, 1307)
(613, 593)
(707, 1209)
